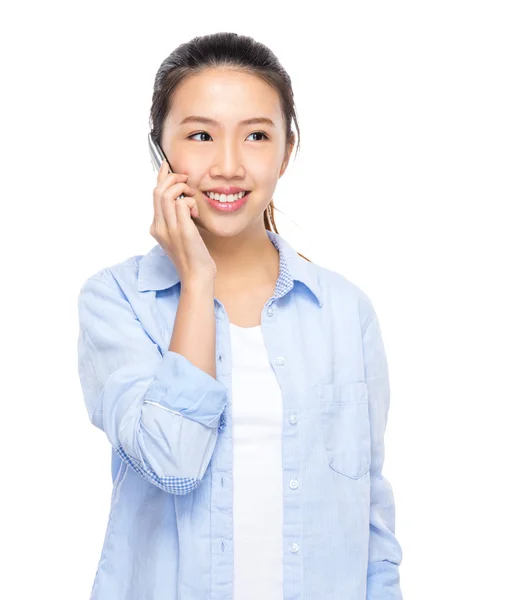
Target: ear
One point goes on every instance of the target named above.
(288, 153)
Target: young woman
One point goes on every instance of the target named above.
(243, 388)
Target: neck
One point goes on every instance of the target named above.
(248, 258)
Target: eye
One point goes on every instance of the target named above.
(198, 133)
(205, 133)
(259, 133)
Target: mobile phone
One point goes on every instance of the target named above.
(157, 156)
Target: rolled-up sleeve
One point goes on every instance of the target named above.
(158, 410)
(385, 553)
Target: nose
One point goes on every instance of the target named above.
(227, 160)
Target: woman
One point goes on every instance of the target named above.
(244, 389)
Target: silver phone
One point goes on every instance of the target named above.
(157, 155)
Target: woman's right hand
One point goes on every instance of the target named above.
(174, 229)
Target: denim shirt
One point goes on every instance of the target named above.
(169, 533)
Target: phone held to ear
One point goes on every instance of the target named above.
(157, 157)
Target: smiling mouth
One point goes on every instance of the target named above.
(218, 199)
(225, 207)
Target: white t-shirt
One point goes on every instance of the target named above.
(256, 410)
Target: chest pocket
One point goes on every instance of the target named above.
(344, 415)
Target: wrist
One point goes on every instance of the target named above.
(198, 284)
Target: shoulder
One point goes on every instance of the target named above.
(122, 275)
(338, 289)
(126, 269)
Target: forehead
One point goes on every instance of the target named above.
(226, 96)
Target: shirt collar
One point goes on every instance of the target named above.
(157, 271)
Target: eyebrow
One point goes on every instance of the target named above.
(207, 121)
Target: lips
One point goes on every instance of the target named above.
(225, 207)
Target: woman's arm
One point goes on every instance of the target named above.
(160, 412)
(194, 333)
(385, 553)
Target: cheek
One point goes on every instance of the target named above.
(260, 201)
(184, 160)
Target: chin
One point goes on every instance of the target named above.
(225, 228)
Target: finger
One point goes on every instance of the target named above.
(192, 205)
(164, 171)
(185, 224)
(190, 200)
(168, 199)
(170, 179)
(173, 187)
(167, 205)
(157, 209)
(173, 190)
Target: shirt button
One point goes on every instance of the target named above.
(294, 484)
(294, 547)
(270, 312)
(280, 360)
(220, 357)
(293, 419)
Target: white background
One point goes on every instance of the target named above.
(399, 186)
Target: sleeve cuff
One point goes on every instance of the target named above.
(181, 386)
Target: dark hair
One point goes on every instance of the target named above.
(224, 49)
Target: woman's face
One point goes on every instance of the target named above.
(227, 153)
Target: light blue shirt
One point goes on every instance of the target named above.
(169, 534)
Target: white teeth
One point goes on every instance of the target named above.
(225, 198)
